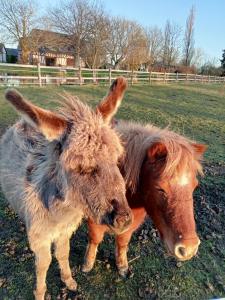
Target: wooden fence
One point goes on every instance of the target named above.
(15, 75)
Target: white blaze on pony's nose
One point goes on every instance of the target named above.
(184, 179)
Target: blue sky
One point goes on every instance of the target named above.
(209, 25)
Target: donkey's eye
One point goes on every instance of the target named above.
(94, 171)
(87, 171)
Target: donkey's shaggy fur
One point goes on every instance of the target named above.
(57, 168)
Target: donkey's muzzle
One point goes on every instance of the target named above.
(122, 221)
(120, 217)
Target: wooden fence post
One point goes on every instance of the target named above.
(132, 77)
(150, 77)
(93, 75)
(39, 74)
(110, 76)
(177, 76)
(164, 79)
(80, 75)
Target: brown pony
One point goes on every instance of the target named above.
(160, 168)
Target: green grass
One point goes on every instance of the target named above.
(194, 110)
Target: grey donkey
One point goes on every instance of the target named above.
(57, 168)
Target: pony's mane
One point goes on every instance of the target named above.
(138, 138)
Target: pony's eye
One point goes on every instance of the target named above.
(161, 191)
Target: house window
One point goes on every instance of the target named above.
(70, 62)
(50, 61)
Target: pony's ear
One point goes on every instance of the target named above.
(109, 105)
(50, 124)
(157, 152)
(199, 149)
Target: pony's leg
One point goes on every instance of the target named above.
(62, 250)
(42, 251)
(96, 234)
(122, 242)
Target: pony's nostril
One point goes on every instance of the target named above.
(185, 252)
(182, 251)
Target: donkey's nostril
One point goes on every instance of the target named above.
(122, 220)
(119, 221)
(115, 204)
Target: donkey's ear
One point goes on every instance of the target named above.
(157, 152)
(50, 124)
(199, 149)
(109, 105)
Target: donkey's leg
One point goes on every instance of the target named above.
(42, 251)
(96, 234)
(62, 250)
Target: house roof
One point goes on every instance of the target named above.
(12, 51)
(49, 41)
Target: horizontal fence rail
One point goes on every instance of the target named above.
(15, 75)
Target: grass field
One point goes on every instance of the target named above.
(197, 111)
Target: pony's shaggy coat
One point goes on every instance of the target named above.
(58, 168)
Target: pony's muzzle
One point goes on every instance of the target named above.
(186, 249)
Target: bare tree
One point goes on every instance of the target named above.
(74, 18)
(136, 51)
(117, 44)
(95, 50)
(188, 48)
(154, 38)
(170, 50)
(17, 19)
(199, 57)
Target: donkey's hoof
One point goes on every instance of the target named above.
(71, 284)
(123, 272)
(87, 268)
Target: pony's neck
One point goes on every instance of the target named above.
(135, 199)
